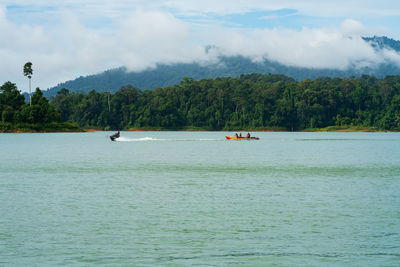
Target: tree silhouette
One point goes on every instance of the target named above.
(28, 73)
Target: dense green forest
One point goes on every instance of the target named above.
(253, 101)
(16, 115)
(169, 74)
(250, 102)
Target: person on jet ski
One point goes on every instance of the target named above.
(116, 135)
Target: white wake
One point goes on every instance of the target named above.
(151, 139)
(125, 139)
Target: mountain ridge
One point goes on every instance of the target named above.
(167, 75)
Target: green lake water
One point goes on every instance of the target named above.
(194, 198)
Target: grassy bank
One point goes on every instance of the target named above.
(349, 129)
(74, 127)
(345, 128)
(208, 129)
(40, 127)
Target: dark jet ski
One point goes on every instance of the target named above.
(114, 136)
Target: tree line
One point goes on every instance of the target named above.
(38, 115)
(252, 101)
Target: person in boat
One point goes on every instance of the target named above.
(240, 135)
(236, 135)
(248, 135)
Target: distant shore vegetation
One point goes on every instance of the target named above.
(253, 102)
(41, 116)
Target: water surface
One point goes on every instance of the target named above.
(193, 198)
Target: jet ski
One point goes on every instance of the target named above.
(114, 136)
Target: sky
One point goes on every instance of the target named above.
(65, 39)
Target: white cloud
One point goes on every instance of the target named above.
(147, 38)
(337, 48)
(139, 38)
(69, 50)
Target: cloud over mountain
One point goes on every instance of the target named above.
(70, 44)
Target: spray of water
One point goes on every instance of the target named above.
(150, 139)
(125, 139)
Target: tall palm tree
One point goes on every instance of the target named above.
(28, 72)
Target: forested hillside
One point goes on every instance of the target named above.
(251, 101)
(168, 75)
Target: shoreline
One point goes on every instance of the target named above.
(321, 130)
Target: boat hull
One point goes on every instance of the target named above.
(241, 138)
